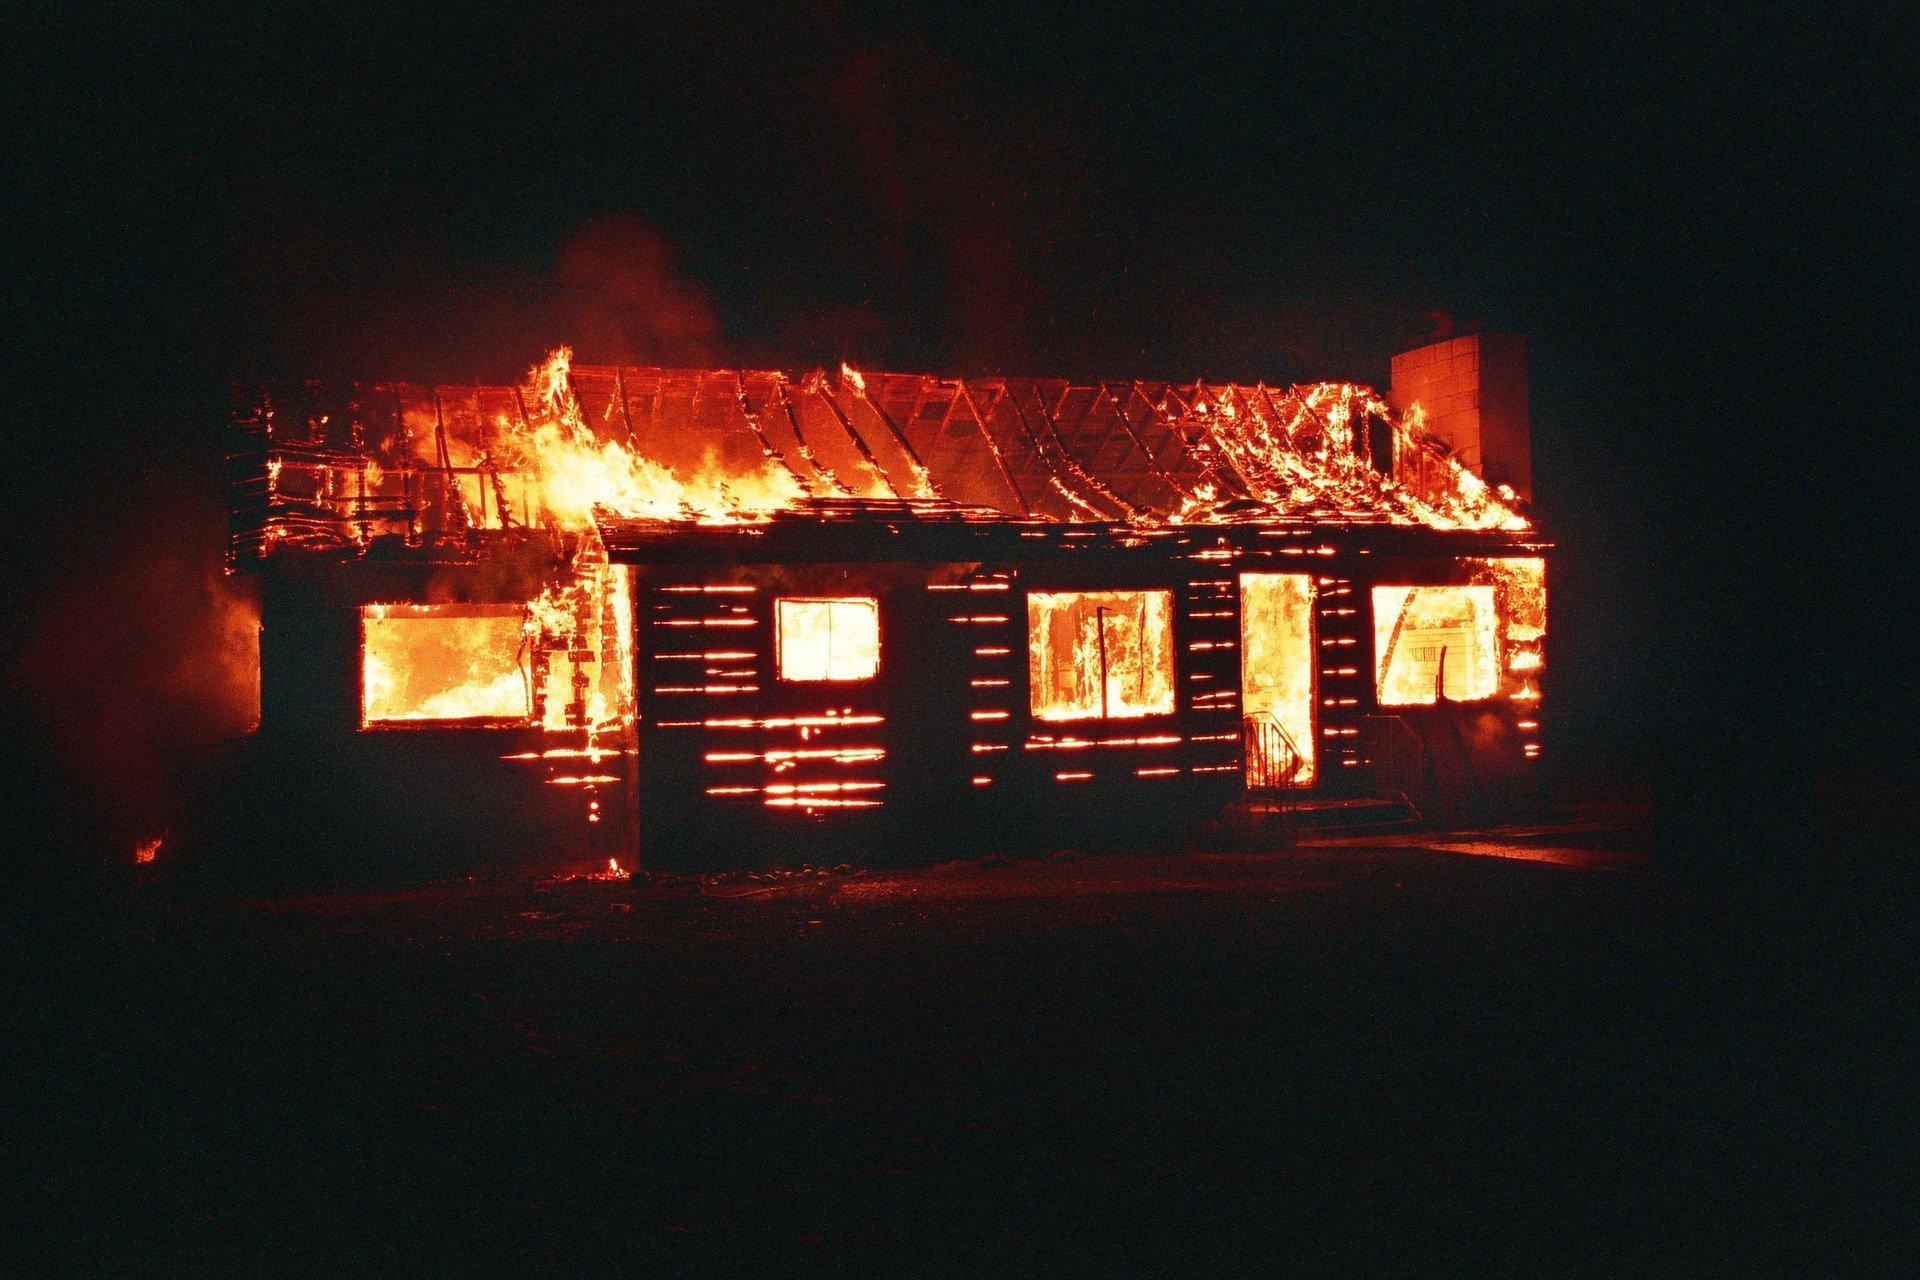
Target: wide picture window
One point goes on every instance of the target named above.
(1104, 655)
(423, 663)
(1434, 642)
(828, 639)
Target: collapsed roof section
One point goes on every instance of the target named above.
(341, 466)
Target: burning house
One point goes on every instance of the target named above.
(729, 618)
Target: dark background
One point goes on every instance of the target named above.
(1697, 221)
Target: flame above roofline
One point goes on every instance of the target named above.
(729, 446)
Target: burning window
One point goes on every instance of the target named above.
(1276, 676)
(1520, 597)
(432, 662)
(576, 650)
(1430, 641)
(1105, 654)
(828, 639)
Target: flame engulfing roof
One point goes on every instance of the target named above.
(738, 445)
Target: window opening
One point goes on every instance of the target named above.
(1100, 654)
(827, 639)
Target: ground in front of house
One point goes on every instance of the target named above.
(1521, 1052)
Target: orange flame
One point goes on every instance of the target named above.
(1305, 456)
(574, 472)
(1431, 642)
(1099, 654)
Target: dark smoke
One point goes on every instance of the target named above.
(956, 196)
(136, 655)
(620, 301)
(337, 298)
(140, 667)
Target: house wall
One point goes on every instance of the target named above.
(940, 743)
(960, 761)
(312, 790)
(937, 758)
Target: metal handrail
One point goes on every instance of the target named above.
(1400, 762)
(1260, 733)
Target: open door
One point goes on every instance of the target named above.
(1277, 679)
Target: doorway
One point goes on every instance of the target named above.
(1277, 680)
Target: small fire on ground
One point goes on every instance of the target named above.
(612, 871)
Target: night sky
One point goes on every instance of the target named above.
(1696, 222)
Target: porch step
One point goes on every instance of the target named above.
(1371, 813)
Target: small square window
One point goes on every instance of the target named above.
(827, 639)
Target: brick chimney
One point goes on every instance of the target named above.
(1474, 390)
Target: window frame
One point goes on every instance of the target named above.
(414, 610)
(1171, 649)
(872, 603)
(1490, 633)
